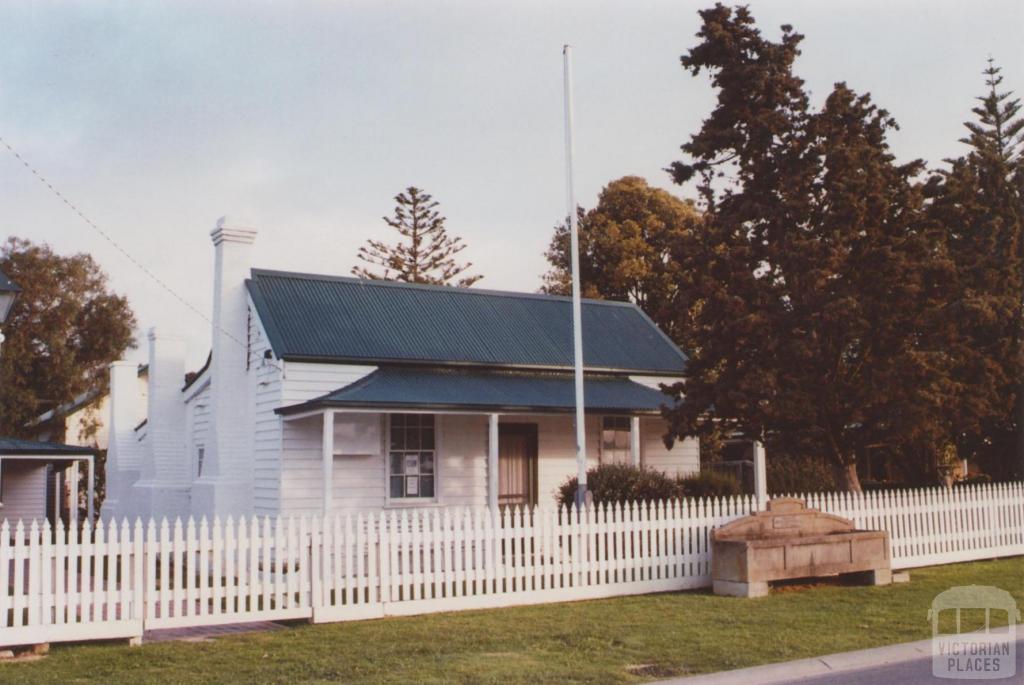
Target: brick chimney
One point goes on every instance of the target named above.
(226, 483)
(165, 480)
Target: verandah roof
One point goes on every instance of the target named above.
(492, 391)
(10, 447)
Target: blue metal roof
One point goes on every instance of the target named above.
(7, 285)
(15, 446)
(519, 391)
(332, 319)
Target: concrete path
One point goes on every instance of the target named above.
(909, 663)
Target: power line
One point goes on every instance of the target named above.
(110, 239)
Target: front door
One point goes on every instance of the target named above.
(517, 464)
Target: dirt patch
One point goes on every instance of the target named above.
(655, 670)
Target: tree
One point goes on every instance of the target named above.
(424, 254)
(63, 332)
(816, 267)
(627, 247)
(978, 202)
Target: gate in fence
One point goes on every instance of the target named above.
(115, 580)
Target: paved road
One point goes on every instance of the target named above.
(916, 672)
(901, 664)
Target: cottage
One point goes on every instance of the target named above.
(326, 394)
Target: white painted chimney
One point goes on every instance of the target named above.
(123, 450)
(226, 483)
(163, 487)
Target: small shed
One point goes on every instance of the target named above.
(39, 480)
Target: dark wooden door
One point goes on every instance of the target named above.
(517, 464)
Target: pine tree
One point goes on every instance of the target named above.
(816, 267)
(424, 254)
(978, 202)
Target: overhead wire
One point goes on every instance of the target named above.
(110, 239)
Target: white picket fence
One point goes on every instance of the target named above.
(116, 580)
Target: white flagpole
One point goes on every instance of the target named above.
(577, 327)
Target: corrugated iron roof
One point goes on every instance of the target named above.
(327, 318)
(7, 285)
(516, 391)
(16, 446)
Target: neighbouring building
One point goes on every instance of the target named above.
(326, 394)
(83, 422)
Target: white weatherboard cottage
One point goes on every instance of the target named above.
(326, 394)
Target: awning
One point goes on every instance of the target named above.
(396, 388)
(14, 447)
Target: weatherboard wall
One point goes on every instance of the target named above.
(265, 389)
(23, 490)
(301, 465)
(360, 481)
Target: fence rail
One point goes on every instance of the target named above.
(115, 579)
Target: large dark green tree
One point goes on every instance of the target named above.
(978, 202)
(424, 253)
(817, 270)
(627, 248)
(64, 330)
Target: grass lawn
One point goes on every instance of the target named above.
(583, 642)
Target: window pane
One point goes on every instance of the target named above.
(426, 463)
(396, 486)
(622, 439)
(608, 438)
(412, 486)
(427, 439)
(412, 438)
(397, 436)
(397, 464)
(426, 486)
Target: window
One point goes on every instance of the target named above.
(200, 453)
(615, 440)
(411, 456)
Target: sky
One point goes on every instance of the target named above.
(304, 119)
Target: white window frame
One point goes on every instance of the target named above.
(602, 457)
(386, 450)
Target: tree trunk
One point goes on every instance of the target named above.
(846, 476)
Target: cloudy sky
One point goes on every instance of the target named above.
(304, 119)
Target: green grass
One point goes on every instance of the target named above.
(582, 642)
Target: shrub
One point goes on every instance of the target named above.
(976, 479)
(620, 483)
(616, 483)
(797, 474)
(868, 485)
(708, 484)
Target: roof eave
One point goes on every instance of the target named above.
(384, 407)
(432, 363)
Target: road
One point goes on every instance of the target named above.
(916, 672)
(901, 664)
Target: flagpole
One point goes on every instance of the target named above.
(577, 318)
